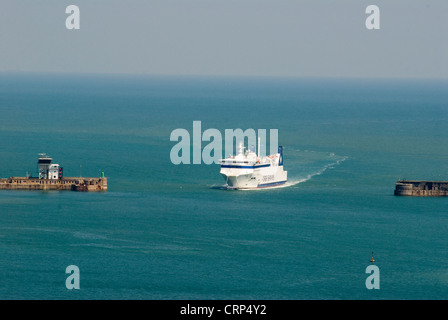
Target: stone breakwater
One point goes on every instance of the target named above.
(418, 188)
(74, 184)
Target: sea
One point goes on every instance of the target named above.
(173, 232)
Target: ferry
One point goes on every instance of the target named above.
(247, 170)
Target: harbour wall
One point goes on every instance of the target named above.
(417, 188)
(75, 184)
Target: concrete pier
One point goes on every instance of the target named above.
(418, 188)
(75, 184)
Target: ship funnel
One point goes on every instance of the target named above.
(280, 160)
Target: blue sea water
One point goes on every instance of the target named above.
(167, 232)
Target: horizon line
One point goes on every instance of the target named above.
(316, 77)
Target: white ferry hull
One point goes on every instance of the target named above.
(271, 177)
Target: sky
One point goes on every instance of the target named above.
(287, 38)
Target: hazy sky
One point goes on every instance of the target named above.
(227, 37)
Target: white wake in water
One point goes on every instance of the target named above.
(317, 173)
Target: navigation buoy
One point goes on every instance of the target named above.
(372, 260)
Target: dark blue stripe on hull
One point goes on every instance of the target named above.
(271, 184)
(245, 167)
